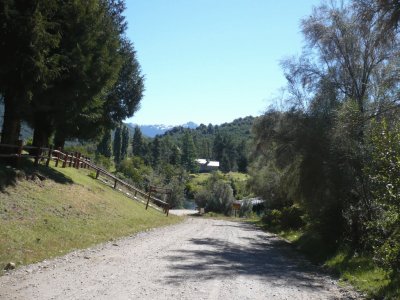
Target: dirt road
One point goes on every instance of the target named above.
(198, 259)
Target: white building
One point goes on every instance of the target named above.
(207, 165)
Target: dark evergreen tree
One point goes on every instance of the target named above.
(137, 143)
(175, 158)
(242, 160)
(104, 147)
(156, 152)
(90, 62)
(117, 143)
(188, 153)
(28, 36)
(124, 142)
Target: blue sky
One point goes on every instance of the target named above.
(212, 61)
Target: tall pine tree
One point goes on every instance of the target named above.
(137, 142)
(188, 152)
(117, 144)
(124, 142)
(104, 147)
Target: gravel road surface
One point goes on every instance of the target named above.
(197, 259)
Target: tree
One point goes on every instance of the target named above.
(117, 143)
(137, 142)
(188, 152)
(344, 77)
(89, 62)
(156, 152)
(122, 101)
(383, 170)
(104, 147)
(124, 142)
(28, 37)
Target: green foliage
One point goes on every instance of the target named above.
(103, 161)
(135, 171)
(188, 153)
(79, 72)
(226, 143)
(137, 143)
(124, 142)
(246, 209)
(104, 147)
(383, 170)
(216, 195)
(117, 145)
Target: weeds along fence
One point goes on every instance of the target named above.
(75, 160)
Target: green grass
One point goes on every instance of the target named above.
(201, 178)
(359, 271)
(42, 219)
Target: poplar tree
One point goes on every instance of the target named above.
(137, 142)
(124, 142)
(104, 147)
(117, 145)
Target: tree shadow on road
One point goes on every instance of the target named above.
(262, 256)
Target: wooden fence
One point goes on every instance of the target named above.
(75, 160)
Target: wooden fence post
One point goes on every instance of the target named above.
(115, 184)
(78, 160)
(71, 159)
(57, 157)
(97, 174)
(148, 198)
(65, 160)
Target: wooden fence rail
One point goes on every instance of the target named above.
(75, 160)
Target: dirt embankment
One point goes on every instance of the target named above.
(198, 259)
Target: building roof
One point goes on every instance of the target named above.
(208, 163)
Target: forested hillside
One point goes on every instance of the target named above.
(227, 143)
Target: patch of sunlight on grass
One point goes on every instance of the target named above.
(359, 271)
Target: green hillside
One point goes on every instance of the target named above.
(69, 210)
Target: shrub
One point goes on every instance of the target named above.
(246, 208)
(291, 217)
(272, 217)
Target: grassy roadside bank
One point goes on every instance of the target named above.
(357, 269)
(69, 210)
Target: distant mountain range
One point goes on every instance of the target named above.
(158, 129)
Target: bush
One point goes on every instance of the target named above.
(102, 161)
(246, 208)
(291, 217)
(217, 196)
(272, 218)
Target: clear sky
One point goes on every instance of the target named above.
(212, 61)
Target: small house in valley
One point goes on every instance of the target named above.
(206, 165)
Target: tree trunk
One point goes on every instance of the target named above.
(59, 139)
(42, 131)
(11, 123)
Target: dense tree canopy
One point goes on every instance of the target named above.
(80, 73)
(331, 153)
